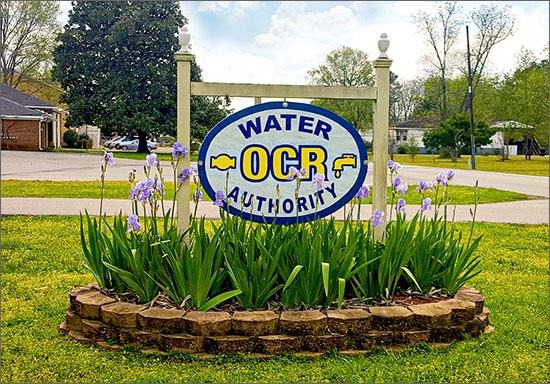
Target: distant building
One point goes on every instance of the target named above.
(401, 132)
(28, 123)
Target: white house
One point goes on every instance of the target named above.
(401, 132)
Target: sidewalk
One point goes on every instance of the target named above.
(520, 212)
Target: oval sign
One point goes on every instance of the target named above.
(248, 155)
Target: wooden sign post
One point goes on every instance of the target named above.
(380, 94)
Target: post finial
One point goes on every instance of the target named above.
(383, 45)
(184, 38)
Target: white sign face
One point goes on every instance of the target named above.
(249, 156)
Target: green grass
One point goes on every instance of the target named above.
(39, 266)
(126, 155)
(121, 190)
(537, 166)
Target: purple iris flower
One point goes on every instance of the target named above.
(133, 193)
(197, 196)
(426, 204)
(184, 175)
(194, 168)
(401, 205)
(376, 218)
(179, 150)
(450, 175)
(440, 178)
(295, 173)
(220, 198)
(424, 185)
(133, 223)
(363, 192)
(107, 157)
(396, 182)
(159, 187)
(319, 181)
(402, 189)
(151, 160)
(394, 166)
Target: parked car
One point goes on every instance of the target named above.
(111, 142)
(166, 140)
(124, 141)
(133, 145)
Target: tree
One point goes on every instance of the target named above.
(453, 135)
(411, 147)
(116, 62)
(404, 98)
(486, 96)
(441, 29)
(27, 39)
(494, 24)
(349, 67)
(523, 94)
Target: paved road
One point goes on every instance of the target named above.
(83, 166)
(521, 212)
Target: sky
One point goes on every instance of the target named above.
(274, 42)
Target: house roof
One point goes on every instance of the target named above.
(9, 108)
(420, 123)
(511, 124)
(23, 99)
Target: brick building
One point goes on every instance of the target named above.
(28, 123)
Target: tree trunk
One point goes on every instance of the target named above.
(443, 98)
(142, 145)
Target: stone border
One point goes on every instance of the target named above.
(94, 318)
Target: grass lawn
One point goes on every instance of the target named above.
(537, 166)
(121, 190)
(39, 266)
(125, 155)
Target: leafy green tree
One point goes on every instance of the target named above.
(27, 38)
(485, 103)
(116, 62)
(524, 94)
(453, 135)
(349, 67)
(411, 147)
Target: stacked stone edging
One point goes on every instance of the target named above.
(95, 318)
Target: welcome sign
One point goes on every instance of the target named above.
(249, 156)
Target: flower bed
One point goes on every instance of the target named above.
(94, 318)
(262, 272)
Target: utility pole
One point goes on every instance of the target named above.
(471, 102)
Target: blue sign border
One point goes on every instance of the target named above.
(363, 157)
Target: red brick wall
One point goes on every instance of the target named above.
(20, 134)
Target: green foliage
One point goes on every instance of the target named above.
(350, 67)
(27, 38)
(411, 147)
(71, 138)
(524, 94)
(453, 135)
(116, 62)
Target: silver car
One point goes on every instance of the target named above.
(132, 145)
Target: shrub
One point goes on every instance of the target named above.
(401, 150)
(71, 138)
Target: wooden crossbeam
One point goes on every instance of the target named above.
(280, 91)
